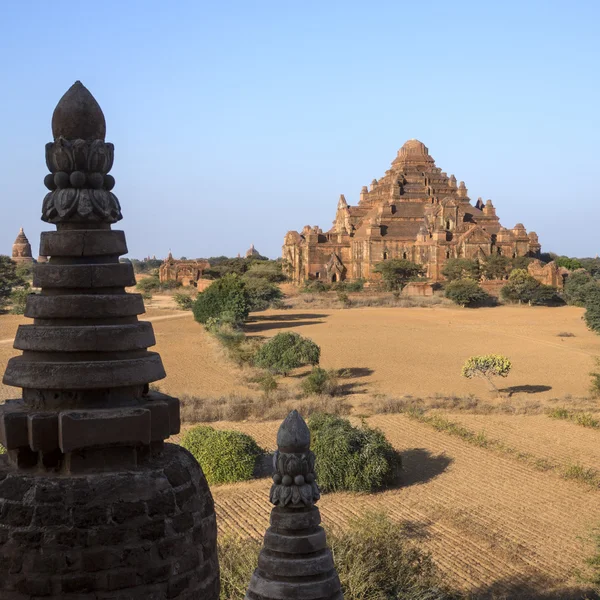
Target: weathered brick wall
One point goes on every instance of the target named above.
(147, 534)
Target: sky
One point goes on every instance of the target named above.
(237, 121)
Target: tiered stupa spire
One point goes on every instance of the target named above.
(21, 250)
(295, 561)
(98, 505)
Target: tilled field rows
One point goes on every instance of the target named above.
(485, 518)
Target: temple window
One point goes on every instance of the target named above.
(385, 255)
(404, 255)
(317, 275)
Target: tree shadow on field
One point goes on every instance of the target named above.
(526, 389)
(534, 589)
(267, 322)
(420, 466)
(356, 372)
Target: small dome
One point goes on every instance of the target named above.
(415, 146)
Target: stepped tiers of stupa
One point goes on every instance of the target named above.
(21, 250)
(93, 503)
(415, 211)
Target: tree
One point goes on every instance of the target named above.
(522, 287)
(9, 279)
(592, 313)
(287, 351)
(226, 295)
(461, 268)
(261, 293)
(496, 266)
(569, 263)
(466, 292)
(487, 367)
(396, 273)
(577, 286)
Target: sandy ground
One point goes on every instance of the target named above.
(490, 522)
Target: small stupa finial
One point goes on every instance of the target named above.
(78, 116)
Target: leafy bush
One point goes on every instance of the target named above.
(226, 295)
(577, 287)
(375, 558)
(321, 382)
(461, 268)
(357, 459)
(592, 312)
(466, 292)
(183, 301)
(496, 266)
(569, 263)
(396, 273)
(287, 351)
(521, 262)
(9, 279)
(18, 300)
(316, 287)
(522, 287)
(487, 366)
(267, 383)
(595, 383)
(261, 293)
(344, 299)
(225, 456)
(149, 284)
(268, 271)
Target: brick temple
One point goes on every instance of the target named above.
(415, 211)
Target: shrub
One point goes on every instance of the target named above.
(577, 287)
(344, 299)
(321, 382)
(18, 300)
(495, 266)
(267, 383)
(357, 459)
(522, 287)
(317, 287)
(568, 263)
(149, 284)
(396, 273)
(9, 279)
(595, 383)
(287, 351)
(225, 456)
(226, 295)
(268, 271)
(466, 292)
(487, 366)
(261, 293)
(592, 312)
(461, 268)
(183, 301)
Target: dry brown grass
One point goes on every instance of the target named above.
(333, 300)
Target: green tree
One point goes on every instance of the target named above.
(261, 292)
(522, 287)
(592, 312)
(9, 279)
(461, 268)
(520, 262)
(466, 292)
(226, 295)
(487, 367)
(396, 273)
(268, 270)
(287, 351)
(569, 263)
(577, 287)
(496, 266)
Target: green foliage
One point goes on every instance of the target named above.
(287, 351)
(374, 556)
(594, 563)
(487, 366)
(344, 299)
(461, 268)
(2, 449)
(523, 287)
(466, 292)
(496, 266)
(183, 301)
(349, 286)
(149, 284)
(315, 287)
(267, 270)
(595, 380)
(261, 292)
(580, 418)
(226, 295)
(144, 266)
(591, 265)
(225, 456)
(267, 383)
(592, 312)
(357, 459)
(18, 300)
(321, 382)
(520, 262)
(25, 271)
(577, 287)
(569, 263)
(396, 273)
(9, 279)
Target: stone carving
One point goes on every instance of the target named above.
(295, 561)
(93, 503)
(79, 183)
(388, 223)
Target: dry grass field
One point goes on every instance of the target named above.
(496, 525)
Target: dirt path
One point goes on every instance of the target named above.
(487, 520)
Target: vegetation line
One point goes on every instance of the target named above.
(570, 472)
(583, 419)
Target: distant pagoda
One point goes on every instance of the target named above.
(21, 250)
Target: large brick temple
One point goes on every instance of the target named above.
(415, 211)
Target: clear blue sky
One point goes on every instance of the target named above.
(236, 121)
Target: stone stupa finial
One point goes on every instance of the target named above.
(295, 561)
